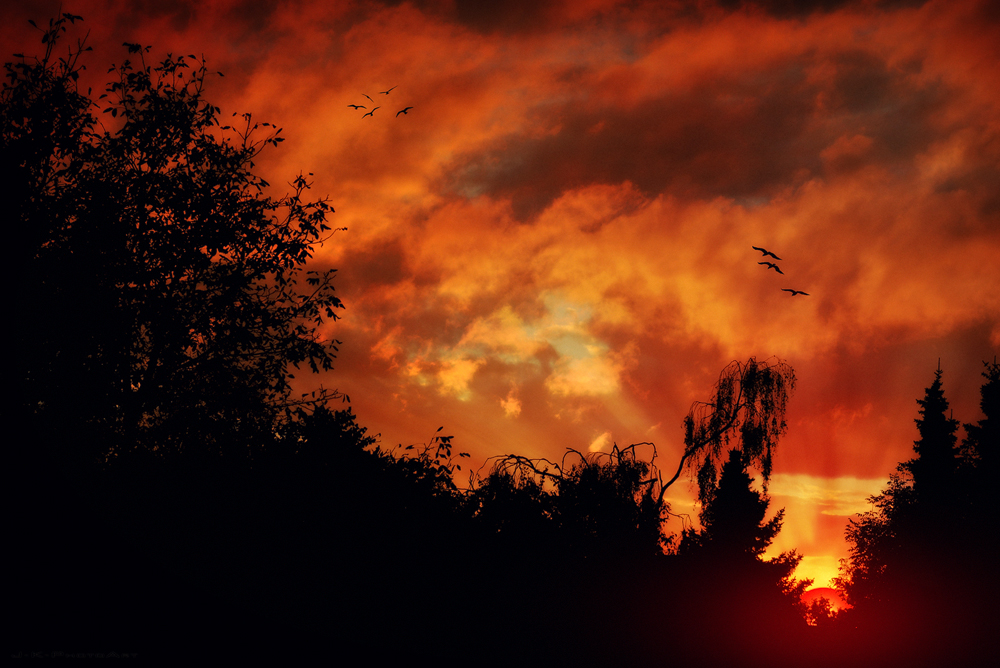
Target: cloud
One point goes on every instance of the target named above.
(601, 443)
(511, 404)
(841, 496)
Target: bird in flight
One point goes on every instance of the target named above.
(770, 265)
(403, 111)
(795, 292)
(357, 106)
(371, 112)
(386, 92)
(366, 95)
(766, 252)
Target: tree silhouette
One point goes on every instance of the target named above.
(732, 516)
(606, 494)
(603, 504)
(885, 541)
(921, 565)
(747, 410)
(166, 300)
(606, 504)
(980, 450)
(821, 613)
(735, 534)
(933, 469)
(753, 599)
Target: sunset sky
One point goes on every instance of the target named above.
(552, 249)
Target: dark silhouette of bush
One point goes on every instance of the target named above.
(608, 581)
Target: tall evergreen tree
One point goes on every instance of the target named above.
(749, 599)
(921, 569)
(933, 469)
(981, 446)
(733, 517)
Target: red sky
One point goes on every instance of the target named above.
(552, 248)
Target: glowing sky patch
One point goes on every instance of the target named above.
(843, 496)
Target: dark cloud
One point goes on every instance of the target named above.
(503, 15)
(180, 15)
(379, 264)
(803, 8)
(740, 136)
(885, 103)
(255, 16)
(740, 141)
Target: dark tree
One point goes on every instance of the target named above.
(884, 541)
(165, 302)
(162, 304)
(747, 411)
(735, 534)
(751, 600)
(933, 469)
(604, 504)
(981, 446)
(617, 498)
(922, 562)
(732, 517)
(874, 541)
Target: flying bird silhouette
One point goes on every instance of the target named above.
(766, 252)
(795, 292)
(366, 95)
(357, 106)
(403, 111)
(386, 92)
(771, 265)
(371, 112)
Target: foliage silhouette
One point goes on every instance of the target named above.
(821, 613)
(601, 505)
(921, 566)
(733, 515)
(185, 283)
(933, 470)
(748, 410)
(738, 587)
(980, 450)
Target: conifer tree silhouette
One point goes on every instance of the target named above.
(733, 517)
(921, 571)
(934, 467)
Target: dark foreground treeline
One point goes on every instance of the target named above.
(337, 549)
(171, 496)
